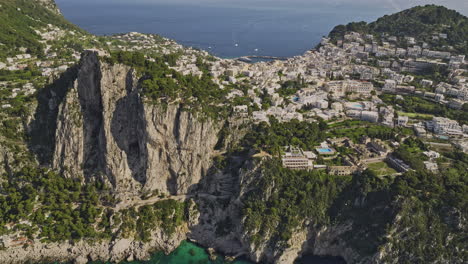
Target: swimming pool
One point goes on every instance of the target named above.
(355, 106)
(324, 150)
(358, 106)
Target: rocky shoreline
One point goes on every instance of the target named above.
(83, 251)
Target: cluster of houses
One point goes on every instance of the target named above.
(134, 41)
(341, 82)
(59, 58)
(52, 65)
(336, 82)
(366, 151)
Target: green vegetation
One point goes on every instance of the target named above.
(421, 22)
(272, 137)
(434, 205)
(162, 84)
(423, 201)
(411, 153)
(415, 104)
(381, 169)
(20, 75)
(416, 115)
(166, 214)
(429, 206)
(365, 203)
(49, 201)
(282, 200)
(61, 209)
(18, 18)
(354, 130)
(290, 87)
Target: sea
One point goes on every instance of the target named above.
(190, 253)
(225, 28)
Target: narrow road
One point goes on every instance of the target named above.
(139, 203)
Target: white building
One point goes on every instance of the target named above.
(296, 158)
(337, 106)
(241, 110)
(260, 116)
(432, 154)
(322, 104)
(390, 85)
(340, 88)
(431, 166)
(426, 83)
(445, 126)
(402, 121)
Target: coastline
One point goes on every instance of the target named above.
(83, 252)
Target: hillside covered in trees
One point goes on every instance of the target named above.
(18, 19)
(421, 22)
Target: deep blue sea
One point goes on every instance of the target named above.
(274, 27)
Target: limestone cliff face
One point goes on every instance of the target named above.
(106, 131)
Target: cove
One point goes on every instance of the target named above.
(186, 253)
(190, 253)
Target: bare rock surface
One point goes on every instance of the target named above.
(106, 130)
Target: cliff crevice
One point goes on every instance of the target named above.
(106, 130)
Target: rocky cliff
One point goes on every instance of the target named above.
(107, 131)
(50, 4)
(221, 223)
(82, 252)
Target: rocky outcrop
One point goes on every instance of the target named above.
(107, 131)
(50, 4)
(82, 252)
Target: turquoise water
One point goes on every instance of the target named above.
(358, 105)
(323, 150)
(186, 253)
(190, 253)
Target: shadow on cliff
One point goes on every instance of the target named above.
(366, 208)
(42, 128)
(90, 99)
(128, 130)
(218, 199)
